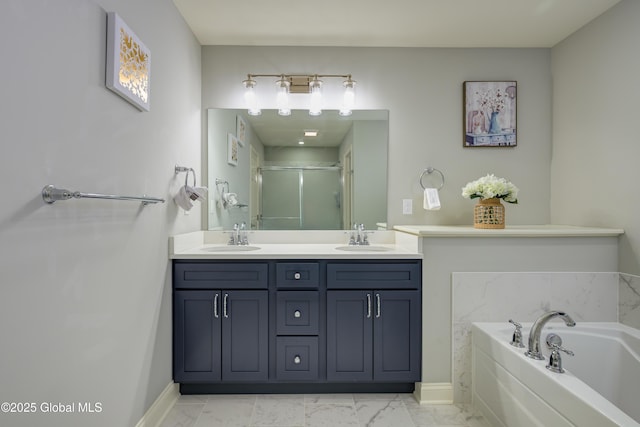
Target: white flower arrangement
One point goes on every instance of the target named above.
(491, 186)
(493, 100)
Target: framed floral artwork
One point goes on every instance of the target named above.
(232, 150)
(128, 63)
(489, 117)
(241, 130)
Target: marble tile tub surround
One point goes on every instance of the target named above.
(523, 296)
(629, 295)
(315, 410)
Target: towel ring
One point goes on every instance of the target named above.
(428, 171)
(179, 169)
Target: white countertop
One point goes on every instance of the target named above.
(293, 245)
(508, 231)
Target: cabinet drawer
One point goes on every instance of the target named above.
(297, 275)
(297, 358)
(212, 275)
(297, 313)
(381, 275)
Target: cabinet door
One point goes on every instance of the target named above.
(349, 335)
(397, 325)
(245, 335)
(196, 336)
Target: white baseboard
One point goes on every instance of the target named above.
(434, 393)
(161, 407)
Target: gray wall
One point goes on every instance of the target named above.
(85, 284)
(422, 89)
(369, 176)
(596, 147)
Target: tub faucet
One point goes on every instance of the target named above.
(534, 335)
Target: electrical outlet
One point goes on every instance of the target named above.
(407, 206)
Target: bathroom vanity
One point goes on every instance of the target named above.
(296, 317)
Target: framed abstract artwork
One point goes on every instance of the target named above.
(241, 130)
(489, 117)
(232, 150)
(128, 63)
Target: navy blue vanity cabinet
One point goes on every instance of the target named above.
(374, 322)
(297, 321)
(197, 336)
(297, 325)
(220, 334)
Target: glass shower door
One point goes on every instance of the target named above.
(299, 198)
(281, 191)
(321, 199)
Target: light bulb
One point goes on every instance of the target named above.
(282, 97)
(315, 106)
(349, 97)
(250, 97)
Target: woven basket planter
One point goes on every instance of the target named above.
(488, 213)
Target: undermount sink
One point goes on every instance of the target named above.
(364, 248)
(230, 248)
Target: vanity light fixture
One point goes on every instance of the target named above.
(349, 97)
(282, 97)
(315, 105)
(300, 83)
(250, 97)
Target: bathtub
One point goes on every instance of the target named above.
(600, 386)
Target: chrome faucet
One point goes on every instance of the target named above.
(359, 235)
(243, 235)
(235, 235)
(534, 335)
(239, 235)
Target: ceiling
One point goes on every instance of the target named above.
(398, 23)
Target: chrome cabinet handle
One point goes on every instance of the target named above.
(297, 360)
(297, 276)
(225, 312)
(368, 306)
(297, 314)
(215, 306)
(378, 305)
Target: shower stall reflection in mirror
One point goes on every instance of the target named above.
(300, 198)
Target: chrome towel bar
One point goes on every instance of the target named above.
(52, 194)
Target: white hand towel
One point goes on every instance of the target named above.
(229, 199)
(197, 193)
(182, 199)
(431, 199)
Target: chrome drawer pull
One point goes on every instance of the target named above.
(297, 360)
(368, 306)
(378, 304)
(297, 314)
(215, 306)
(297, 276)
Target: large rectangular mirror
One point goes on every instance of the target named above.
(260, 173)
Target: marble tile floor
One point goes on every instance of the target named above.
(316, 410)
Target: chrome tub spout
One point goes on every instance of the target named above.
(534, 335)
